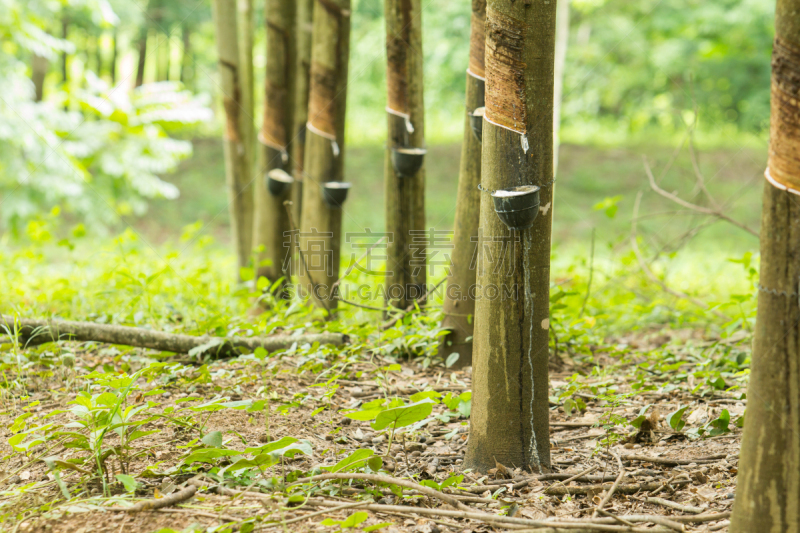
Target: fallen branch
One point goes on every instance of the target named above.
(151, 505)
(195, 512)
(427, 491)
(613, 488)
(632, 488)
(34, 331)
(649, 273)
(571, 425)
(673, 461)
(310, 515)
(570, 479)
(675, 505)
(540, 525)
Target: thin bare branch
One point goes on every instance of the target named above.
(694, 207)
(649, 273)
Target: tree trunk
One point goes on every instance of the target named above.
(562, 43)
(459, 305)
(237, 168)
(64, 57)
(303, 31)
(186, 58)
(114, 56)
(509, 420)
(246, 26)
(405, 195)
(273, 230)
(162, 57)
(320, 236)
(98, 54)
(142, 46)
(768, 487)
(38, 73)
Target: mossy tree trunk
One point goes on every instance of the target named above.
(303, 31)
(768, 486)
(272, 233)
(509, 421)
(237, 167)
(459, 304)
(320, 234)
(405, 195)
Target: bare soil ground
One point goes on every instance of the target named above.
(665, 472)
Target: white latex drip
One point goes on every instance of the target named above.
(534, 448)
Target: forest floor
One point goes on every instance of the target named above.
(650, 359)
(681, 476)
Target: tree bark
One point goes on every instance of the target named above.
(406, 268)
(187, 76)
(38, 73)
(246, 28)
(32, 331)
(459, 304)
(142, 46)
(64, 57)
(272, 233)
(509, 421)
(562, 43)
(324, 154)
(98, 54)
(114, 56)
(768, 487)
(237, 167)
(162, 55)
(303, 32)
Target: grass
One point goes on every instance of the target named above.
(588, 175)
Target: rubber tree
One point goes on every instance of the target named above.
(303, 32)
(237, 168)
(562, 43)
(768, 486)
(404, 194)
(246, 28)
(39, 65)
(509, 421)
(459, 304)
(272, 229)
(321, 226)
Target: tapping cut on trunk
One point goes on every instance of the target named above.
(509, 422)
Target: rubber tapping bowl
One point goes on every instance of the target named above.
(408, 161)
(335, 192)
(476, 123)
(278, 181)
(517, 207)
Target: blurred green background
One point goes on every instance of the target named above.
(639, 75)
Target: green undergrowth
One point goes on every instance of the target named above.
(111, 400)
